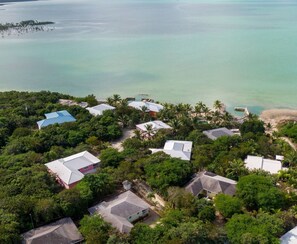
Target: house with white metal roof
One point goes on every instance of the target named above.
(177, 149)
(99, 109)
(216, 133)
(269, 165)
(152, 108)
(211, 183)
(70, 170)
(290, 237)
(58, 117)
(155, 126)
(122, 211)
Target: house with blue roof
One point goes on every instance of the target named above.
(58, 117)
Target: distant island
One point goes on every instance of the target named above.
(10, 1)
(24, 27)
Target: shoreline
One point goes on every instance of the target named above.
(274, 117)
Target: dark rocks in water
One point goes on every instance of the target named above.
(24, 27)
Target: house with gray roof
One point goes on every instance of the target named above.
(216, 133)
(62, 231)
(122, 211)
(176, 149)
(58, 117)
(211, 184)
(70, 170)
(99, 109)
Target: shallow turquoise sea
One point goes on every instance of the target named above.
(241, 52)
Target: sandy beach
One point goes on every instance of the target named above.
(276, 116)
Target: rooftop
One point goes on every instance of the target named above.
(99, 109)
(118, 210)
(211, 182)
(62, 231)
(177, 149)
(58, 117)
(154, 107)
(216, 133)
(67, 169)
(156, 125)
(269, 165)
(290, 237)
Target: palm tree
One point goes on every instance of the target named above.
(123, 103)
(167, 113)
(206, 111)
(218, 105)
(291, 158)
(116, 98)
(175, 124)
(137, 134)
(199, 107)
(150, 131)
(124, 120)
(236, 169)
(216, 118)
(109, 100)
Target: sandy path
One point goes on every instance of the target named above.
(277, 116)
(126, 134)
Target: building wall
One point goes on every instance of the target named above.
(72, 185)
(66, 185)
(153, 114)
(86, 169)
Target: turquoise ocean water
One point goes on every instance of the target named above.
(241, 52)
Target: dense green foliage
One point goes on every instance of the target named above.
(30, 196)
(95, 229)
(177, 227)
(170, 172)
(258, 191)
(244, 228)
(228, 205)
(289, 130)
